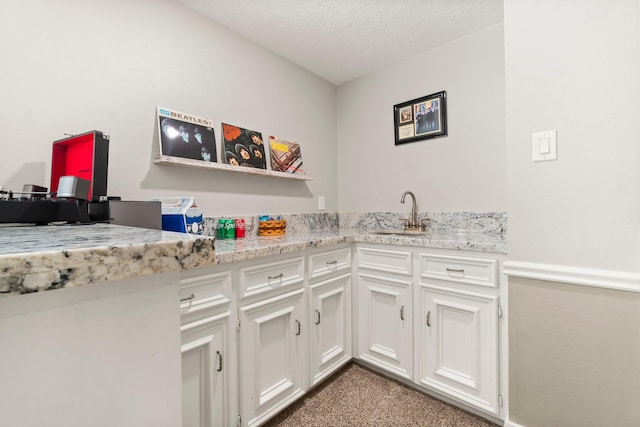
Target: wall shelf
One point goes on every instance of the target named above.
(178, 161)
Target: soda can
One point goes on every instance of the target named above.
(220, 233)
(240, 228)
(229, 229)
(226, 229)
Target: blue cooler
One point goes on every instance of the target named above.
(182, 215)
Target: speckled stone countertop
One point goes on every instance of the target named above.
(43, 258)
(253, 247)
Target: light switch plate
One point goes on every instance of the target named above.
(545, 146)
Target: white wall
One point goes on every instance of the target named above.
(574, 67)
(465, 171)
(101, 355)
(73, 66)
(573, 350)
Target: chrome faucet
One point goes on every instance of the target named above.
(412, 222)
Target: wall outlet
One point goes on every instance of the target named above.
(321, 205)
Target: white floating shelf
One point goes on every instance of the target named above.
(179, 161)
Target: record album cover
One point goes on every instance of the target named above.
(285, 156)
(243, 147)
(187, 136)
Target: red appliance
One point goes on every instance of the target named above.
(85, 156)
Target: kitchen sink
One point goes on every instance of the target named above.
(402, 232)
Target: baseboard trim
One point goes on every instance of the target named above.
(509, 423)
(608, 279)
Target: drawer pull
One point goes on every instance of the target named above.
(429, 318)
(455, 270)
(279, 276)
(402, 313)
(219, 368)
(189, 298)
(333, 262)
(298, 327)
(317, 317)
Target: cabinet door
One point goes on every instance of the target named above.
(457, 345)
(385, 323)
(329, 326)
(204, 373)
(272, 355)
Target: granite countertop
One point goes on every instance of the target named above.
(253, 247)
(42, 258)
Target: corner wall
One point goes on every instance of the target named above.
(574, 67)
(464, 171)
(574, 223)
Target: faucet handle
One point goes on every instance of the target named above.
(422, 221)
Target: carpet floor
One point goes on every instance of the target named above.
(357, 396)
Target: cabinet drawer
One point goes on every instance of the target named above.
(201, 291)
(263, 278)
(472, 271)
(329, 262)
(398, 262)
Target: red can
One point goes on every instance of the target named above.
(240, 228)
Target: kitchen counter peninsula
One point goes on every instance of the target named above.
(44, 258)
(104, 348)
(254, 247)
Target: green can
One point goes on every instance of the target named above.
(226, 229)
(220, 232)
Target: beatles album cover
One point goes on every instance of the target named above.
(243, 147)
(186, 136)
(285, 156)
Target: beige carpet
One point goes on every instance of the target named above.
(357, 396)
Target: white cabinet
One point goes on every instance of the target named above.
(432, 318)
(329, 314)
(385, 325)
(457, 346)
(289, 321)
(206, 344)
(204, 379)
(272, 355)
(266, 278)
(456, 325)
(272, 335)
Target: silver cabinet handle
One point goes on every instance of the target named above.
(298, 327)
(190, 297)
(317, 317)
(402, 313)
(455, 270)
(278, 276)
(333, 262)
(429, 318)
(219, 368)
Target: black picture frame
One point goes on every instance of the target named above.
(421, 118)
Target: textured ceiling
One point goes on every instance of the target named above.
(340, 40)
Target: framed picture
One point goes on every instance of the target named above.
(185, 135)
(243, 147)
(421, 118)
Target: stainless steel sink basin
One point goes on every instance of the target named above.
(401, 232)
